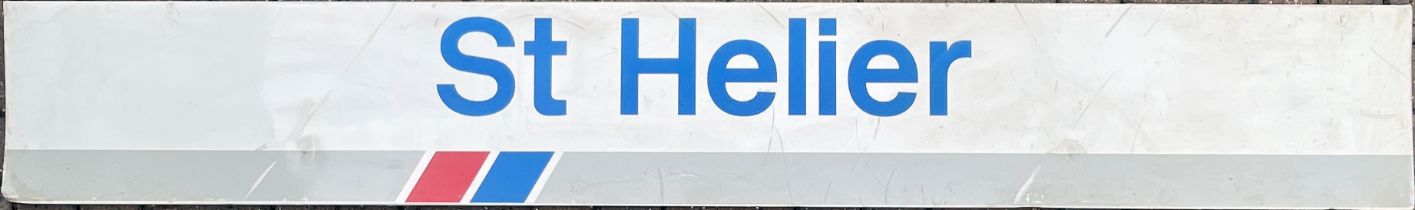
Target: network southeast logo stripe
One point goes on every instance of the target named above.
(449, 176)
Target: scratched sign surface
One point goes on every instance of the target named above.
(692, 104)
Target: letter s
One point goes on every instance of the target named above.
(505, 82)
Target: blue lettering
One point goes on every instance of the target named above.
(796, 77)
(719, 75)
(827, 68)
(940, 57)
(860, 74)
(632, 65)
(505, 83)
(542, 49)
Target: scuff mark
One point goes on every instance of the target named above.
(778, 140)
(307, 146)
(875, 136)
(1012, 75)
(603, 55)
(661, 197)
(1245, 58)
(309, 117)
(887, 182)
(577, 25)
(1046, 130)
(275, 18)
(1139, 129)
(1028, 26)
(297, 133)
(173, 13)
(46, 21)
(1377, 114)
(1117, 21)
(1299, 104)
(260, 179)
(1092, 100)
(773, 16)
(1023, 193)
(1398, 138)
(923, 195)
(1068, 146)
(371, 35)
(675, 15)
(582, 188)
(1156, 22)
(1083, 113)
(1387, 62)
(790, 191)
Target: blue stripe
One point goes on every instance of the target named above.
(511, 177)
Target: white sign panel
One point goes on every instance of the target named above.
(693, 104)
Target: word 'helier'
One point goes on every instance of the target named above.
(542, 48)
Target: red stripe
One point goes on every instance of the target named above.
(447, 177)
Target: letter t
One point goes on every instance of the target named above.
(542, 49)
